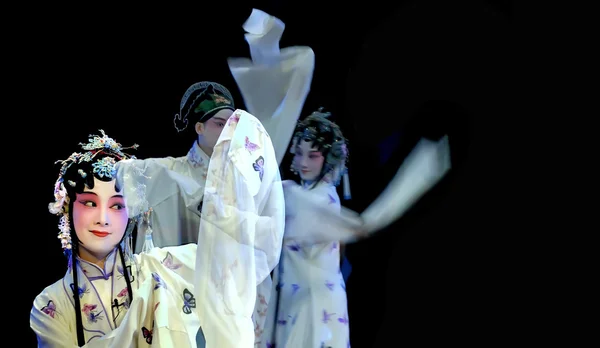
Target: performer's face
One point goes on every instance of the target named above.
(308, 160)
(100, 219)
(211, 130)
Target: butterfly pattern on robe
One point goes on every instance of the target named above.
(125, 304)
(290, 319)
(257, 333)
(169, 263)
(334, 246)
(234, 118)
(250, 146)
(123, 292)
(189, 301)
(258, 166)
(295, 288)
(147, 333)
(344, 319)
(159, 282)
(332, 199)
(326, 316)
(90, 312)
(50, 309)
(294, 247)
(80, 290)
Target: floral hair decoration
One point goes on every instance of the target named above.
(327, 137)
(104, 167)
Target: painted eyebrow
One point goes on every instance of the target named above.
(94, 193)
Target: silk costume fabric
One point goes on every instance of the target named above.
(162, 282)
(312, 309)
(243, 187)
(274, 84)
(284, 81)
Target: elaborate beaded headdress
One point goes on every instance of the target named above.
(327, 137)
(103, 167)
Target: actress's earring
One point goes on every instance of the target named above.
(292, 169)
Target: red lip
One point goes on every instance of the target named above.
(100, 233)
(305, 171)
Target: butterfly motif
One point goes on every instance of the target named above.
(326, 316)
(258, 331)
(343, 320)
(234, 118)
(50, 309)
(329, 285)
(159, 281)
(81, 290)
(91, 314)
(294, 247)
(122, 292)
(295, 288)
(189, 301)
(87, 308)
(259, 167)
(250, 146)
(168, 262)
(332, 199)
(94, 317)
(148, 333)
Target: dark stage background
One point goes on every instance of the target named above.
(389, 72)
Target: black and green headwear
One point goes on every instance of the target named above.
(201, 101)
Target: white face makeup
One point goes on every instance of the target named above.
(210, 131)
(308, 160)
(100, 220)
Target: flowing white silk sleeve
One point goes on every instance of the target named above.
(146, 183)
(424, 167)
(274, 84)
(241, 230)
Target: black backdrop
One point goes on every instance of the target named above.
(389, 72)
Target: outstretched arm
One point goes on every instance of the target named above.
(316, 218)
